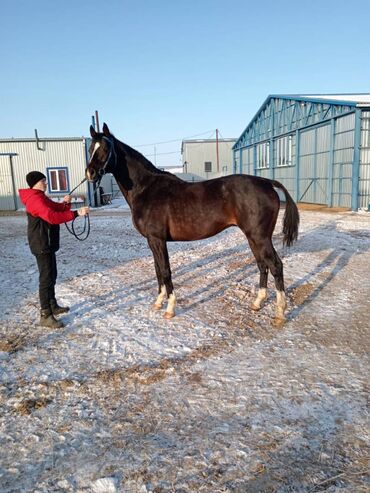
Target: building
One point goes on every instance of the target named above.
(171, 169)
(62, 160)
(207, 158)
(318, 146)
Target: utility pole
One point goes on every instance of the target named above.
(97, 121)
(218, 161)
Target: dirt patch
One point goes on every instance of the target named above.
(12, 345)
(321, 208)
(300, 294)
(26, 407)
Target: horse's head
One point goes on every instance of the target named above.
(102, 154)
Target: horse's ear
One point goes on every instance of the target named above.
(92, 131)
(106, 131)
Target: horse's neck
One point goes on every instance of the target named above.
(131, 175)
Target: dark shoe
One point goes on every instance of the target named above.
(56, 309)
(47, 320)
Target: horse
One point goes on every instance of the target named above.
(165, 208)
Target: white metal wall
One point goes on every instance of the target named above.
(196, 153)
(68, 153)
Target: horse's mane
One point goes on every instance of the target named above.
(134, 154)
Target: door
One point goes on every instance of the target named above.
(314, 165)
(7, 199)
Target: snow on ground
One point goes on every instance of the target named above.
(214, 400)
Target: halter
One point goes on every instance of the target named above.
(112, 151)
(83, 235)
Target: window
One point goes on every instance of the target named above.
(208, 166)
(263, 155)
(284, 151)
(58, 180)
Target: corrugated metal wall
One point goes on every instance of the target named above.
(287, 174)
(364, 181)
(314, 165)
(70, 153)
(326, 156)
(7, 194)
(248, 161)
(343, 161)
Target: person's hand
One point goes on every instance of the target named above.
(67, 199)
(83, 211)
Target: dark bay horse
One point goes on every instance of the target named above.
(166, 208)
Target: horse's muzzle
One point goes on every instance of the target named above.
(91, 175)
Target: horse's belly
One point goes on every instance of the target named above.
(194, 232)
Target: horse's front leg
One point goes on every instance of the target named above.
(161, 287)
(163, 271)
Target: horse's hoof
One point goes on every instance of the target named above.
(157, 307)
(168, 315)
(278, 322)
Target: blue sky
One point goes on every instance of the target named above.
(164, 70)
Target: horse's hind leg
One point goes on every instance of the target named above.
(262, 266)
(262, 292)
(275, 265)
(268, 259)
(163, 271)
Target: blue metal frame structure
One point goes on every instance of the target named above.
(282, 115)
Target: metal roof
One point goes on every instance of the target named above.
(358, 99)
(43, 139)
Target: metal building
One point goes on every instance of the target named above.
(318, 146)
(62, 160)
(207, 158)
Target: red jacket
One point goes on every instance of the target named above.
(39, 205)
(44, 217)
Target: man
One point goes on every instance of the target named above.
(44, 218)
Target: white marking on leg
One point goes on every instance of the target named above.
(261, 297)
(170, 312)
(159, 301)
(280, 305)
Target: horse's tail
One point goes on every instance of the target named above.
(291, 216)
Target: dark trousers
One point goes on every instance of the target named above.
(47, 265)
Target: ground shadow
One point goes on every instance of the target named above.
(342, 246)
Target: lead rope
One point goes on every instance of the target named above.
(81, 235)
(86, 227)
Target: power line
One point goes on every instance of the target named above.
(174, 140)
(161, 153)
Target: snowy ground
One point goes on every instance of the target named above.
(214, 400)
